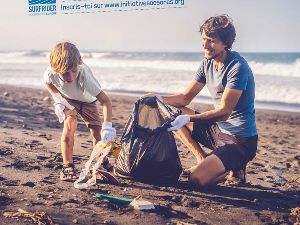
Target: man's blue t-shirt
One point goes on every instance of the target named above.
(234, 74)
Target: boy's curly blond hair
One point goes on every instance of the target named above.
(64, 57)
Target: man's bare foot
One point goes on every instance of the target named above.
(236, 177)
(187, 172)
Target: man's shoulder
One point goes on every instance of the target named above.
(237, 59)
(236, 62)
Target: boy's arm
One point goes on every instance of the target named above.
(51, 88)
(108, 133)
(59, 102)
(107, 107)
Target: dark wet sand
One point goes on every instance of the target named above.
(30, 162)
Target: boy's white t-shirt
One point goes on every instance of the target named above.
(84, 88)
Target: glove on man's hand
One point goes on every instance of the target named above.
(179, 122)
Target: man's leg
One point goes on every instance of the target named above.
(95, 132)
(67, 138)
(184, 134)
(209, 172)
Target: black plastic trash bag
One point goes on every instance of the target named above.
(149, 152)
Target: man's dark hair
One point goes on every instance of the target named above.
(220, 27)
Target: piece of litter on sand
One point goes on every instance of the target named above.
(40, 218)
(141, 204)
(115, 199)
(136, 203)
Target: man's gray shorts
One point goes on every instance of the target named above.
(234, 152)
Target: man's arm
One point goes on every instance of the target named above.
(228, 102)
(183, 99)
(107, 107)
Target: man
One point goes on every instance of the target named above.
(230, 128)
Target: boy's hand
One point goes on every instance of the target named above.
(59, 111)
(58, 99)
(108, 133)
(179, 122)
(59, 105)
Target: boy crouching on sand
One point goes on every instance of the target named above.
(76, 91)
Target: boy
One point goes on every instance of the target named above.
(76, 91)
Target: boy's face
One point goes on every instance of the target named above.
(70, 75)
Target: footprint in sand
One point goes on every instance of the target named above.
(6, 151)
(46, 136)
(10, 183)
(49, 180)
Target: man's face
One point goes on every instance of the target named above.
(213, 47)
(70, 75)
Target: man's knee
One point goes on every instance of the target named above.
(199, 179)
(207, 172)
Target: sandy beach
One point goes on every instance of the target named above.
(31, 161)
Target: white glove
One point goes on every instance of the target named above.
(59, 111)
(179, 122)
(59, 105)
(108, 133)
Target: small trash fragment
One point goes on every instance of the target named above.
(136, 203)
(40, 218)
(47, 98)
(141, 204)
(115, 199)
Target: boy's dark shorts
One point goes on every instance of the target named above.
(234, 152)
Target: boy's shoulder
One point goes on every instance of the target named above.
(48, 75)
(84, 70)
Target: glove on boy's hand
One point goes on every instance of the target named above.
(59, 105)
(179, 122)
(108, 133)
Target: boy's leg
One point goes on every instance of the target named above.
(184, 134)
(95, 132)
(209, 172)
(67, 138)
(90, 113)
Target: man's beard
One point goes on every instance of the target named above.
(214, 56)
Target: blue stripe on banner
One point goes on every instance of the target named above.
(34, 2)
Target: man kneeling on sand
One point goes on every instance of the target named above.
(230, 128)
(76, 91)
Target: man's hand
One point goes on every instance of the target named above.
(159, 97)
(108, 133)
(59, 105)
(179, 122)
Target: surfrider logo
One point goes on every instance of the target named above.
(42, 7)
(55, 7)
(35, 2)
